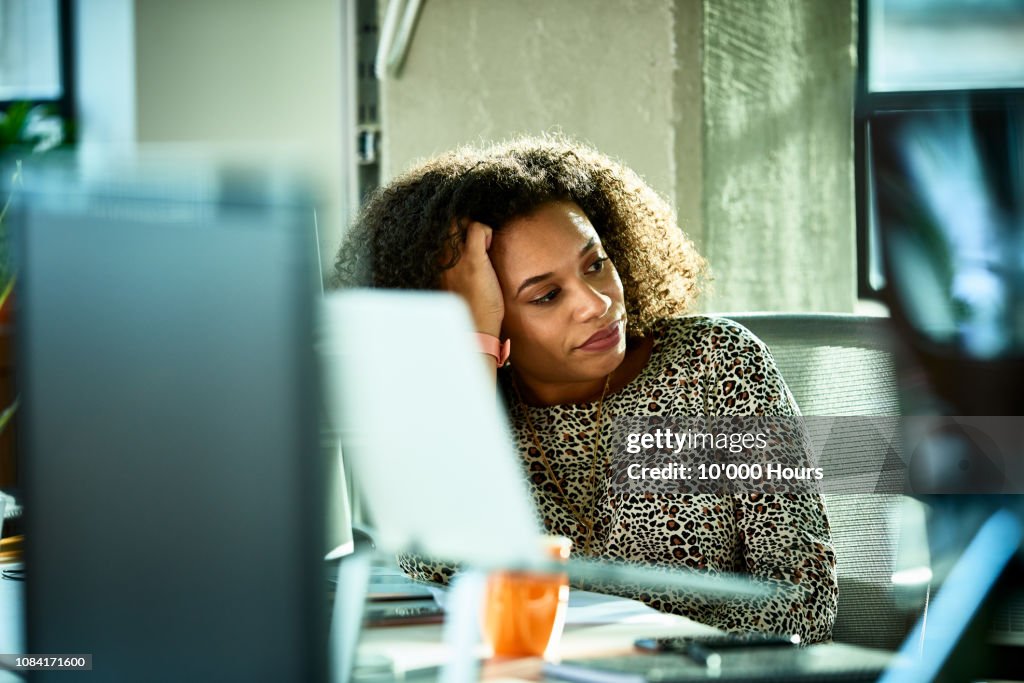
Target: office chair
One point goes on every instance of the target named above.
(842, 365)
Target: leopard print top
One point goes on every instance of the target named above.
(698, 366)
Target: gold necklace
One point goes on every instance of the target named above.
(586, 522)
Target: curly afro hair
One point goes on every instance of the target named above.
(403, 239)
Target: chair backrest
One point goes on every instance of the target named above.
(834, 364)
(842, 365)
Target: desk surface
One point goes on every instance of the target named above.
(596, 625)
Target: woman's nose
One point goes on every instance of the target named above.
(591, 303)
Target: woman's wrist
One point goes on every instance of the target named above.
(492, 346)
(488, 324)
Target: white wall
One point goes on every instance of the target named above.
(600, 71)
(256, 72)
(260, 74)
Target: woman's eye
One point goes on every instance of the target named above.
(598, 265)
(547, 298)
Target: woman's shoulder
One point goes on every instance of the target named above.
(738, 365)
(700, 343)
(706, 333)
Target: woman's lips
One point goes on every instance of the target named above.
(604, 339)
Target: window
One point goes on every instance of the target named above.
(35, 53)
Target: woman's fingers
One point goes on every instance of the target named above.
(473, 277)
(478, 238)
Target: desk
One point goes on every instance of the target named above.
(596, 625)
(411, 647)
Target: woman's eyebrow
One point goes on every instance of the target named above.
(532, 281)
(544, 276)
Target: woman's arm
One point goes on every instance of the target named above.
(473, 278)
(784, 531)
(425, 569)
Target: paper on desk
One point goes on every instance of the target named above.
(586, 607)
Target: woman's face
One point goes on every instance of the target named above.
(565, 311)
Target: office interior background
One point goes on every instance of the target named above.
(750, 117)
(741, 114)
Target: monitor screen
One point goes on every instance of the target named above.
(171, 454)
(948, 204)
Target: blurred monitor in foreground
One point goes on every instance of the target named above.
(169, 414)
(948, 201)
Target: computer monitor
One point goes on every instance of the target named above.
(946, 200)
(169, 421)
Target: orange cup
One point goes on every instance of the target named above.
(524, 612)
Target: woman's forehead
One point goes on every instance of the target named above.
(547, 241)
(557, 223)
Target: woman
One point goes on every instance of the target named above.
(576, 269)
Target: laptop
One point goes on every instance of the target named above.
(421, 430)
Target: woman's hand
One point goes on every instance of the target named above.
(473, 278)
